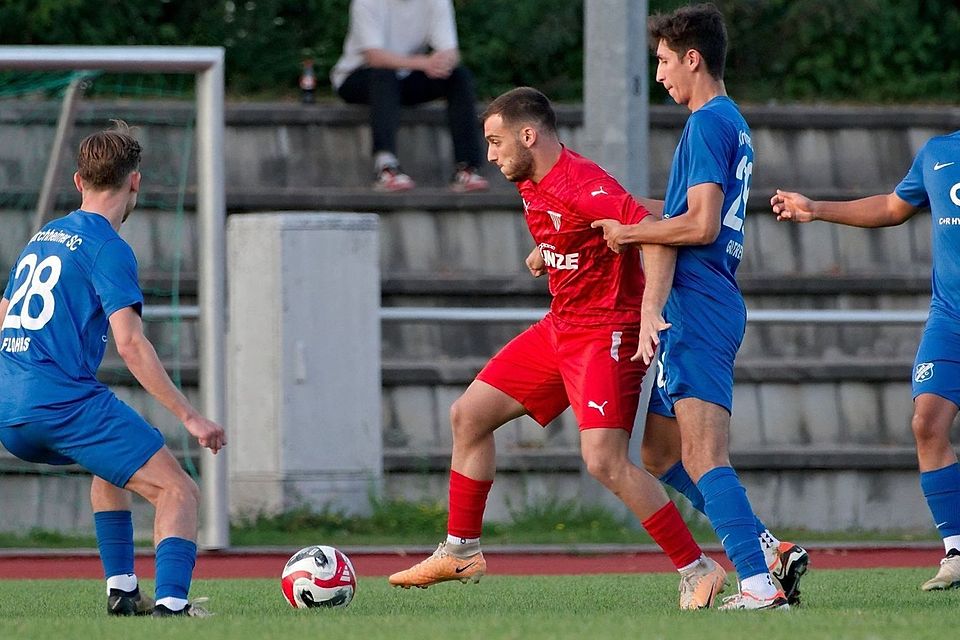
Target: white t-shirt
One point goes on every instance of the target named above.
(404, 27)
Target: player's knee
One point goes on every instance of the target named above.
(463, 423)
(925, 429)
(463, 415)
(183, 491)
(605, 468)
(194, 492)
(457, 415)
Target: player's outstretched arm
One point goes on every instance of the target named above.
(793, 206)
(699, 225)
(141, 358)
(4, 303)
(882, 210)
(659, 262)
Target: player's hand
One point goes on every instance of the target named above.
(792, 206)
(651, 324)
(612, 232)
(208, 433)
(535, 263)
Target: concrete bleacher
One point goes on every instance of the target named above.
(821, 421)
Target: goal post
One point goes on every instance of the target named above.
(207, 64)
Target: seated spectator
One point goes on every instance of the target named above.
(404, 52)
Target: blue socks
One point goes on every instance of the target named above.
(175, 560)
(176, 557)
(729, 511)
(941, 488)
(115, 541)
(678, 478)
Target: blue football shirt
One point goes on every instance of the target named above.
(715, 147)
(934, 181)
(72, 275)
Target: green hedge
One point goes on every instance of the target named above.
(854, 50)
(850, 50)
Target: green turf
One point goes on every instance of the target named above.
(879, 603)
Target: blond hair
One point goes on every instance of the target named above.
(106, 158)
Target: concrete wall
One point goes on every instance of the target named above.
(821, 422)
(303, 365)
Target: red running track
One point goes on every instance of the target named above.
(269, 565)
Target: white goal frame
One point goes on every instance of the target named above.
(207, 64)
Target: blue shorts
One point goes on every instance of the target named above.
(697, 352)
(936, 368)
(102, 435)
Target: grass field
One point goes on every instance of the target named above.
(866, 604)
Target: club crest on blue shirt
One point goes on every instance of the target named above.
(923, 372)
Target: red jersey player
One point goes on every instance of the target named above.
(578, 355)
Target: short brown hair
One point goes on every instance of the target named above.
(522, 105)
(106, 158)
(699, 27)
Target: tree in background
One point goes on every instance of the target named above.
(784, 50)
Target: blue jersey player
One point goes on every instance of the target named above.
(699, 308)
(933, 182)
(75, 278)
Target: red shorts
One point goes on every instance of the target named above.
(554, 365)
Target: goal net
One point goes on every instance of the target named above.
(50, 98)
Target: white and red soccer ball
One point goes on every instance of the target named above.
(318, 576)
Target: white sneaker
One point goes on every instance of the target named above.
(392, 179)
(948, 576)
(700, 584)
(747, 600)
(467, 179)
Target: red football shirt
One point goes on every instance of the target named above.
(590, 284)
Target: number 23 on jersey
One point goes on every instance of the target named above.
(738, 208)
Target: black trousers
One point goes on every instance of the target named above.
(386, 94)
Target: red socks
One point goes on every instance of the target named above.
(468, 498)
(668, 530)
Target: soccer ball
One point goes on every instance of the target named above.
(318, 576)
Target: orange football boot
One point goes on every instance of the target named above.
(442, 566)
(700, 584)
